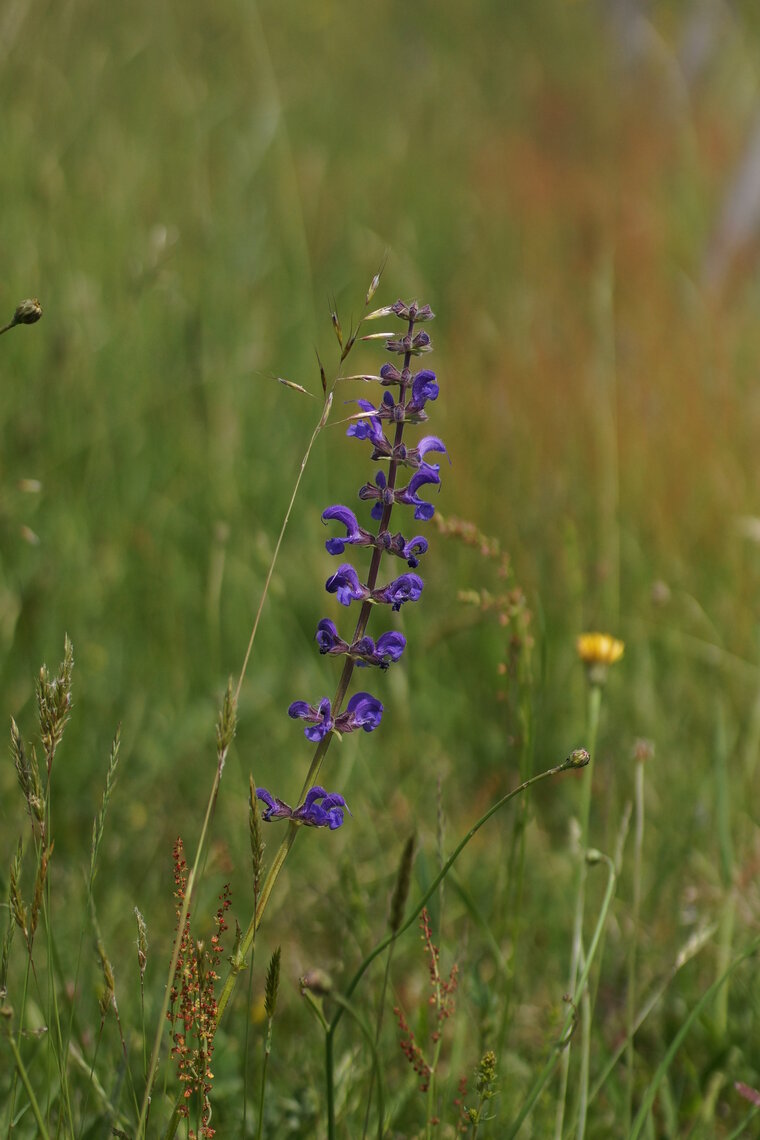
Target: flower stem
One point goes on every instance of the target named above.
(594, 707)
(638, 844)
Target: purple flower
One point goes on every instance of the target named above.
(328, 639)
(380, 491)
(389, 646)
(328, 813)
(370, 429)
(407, 588)
(413, 549)
(426, 474)
(362, 711)
(388, 649)
(319, 719)
(346, 585)
(355, 535)
(275, 809)
(415, 455)
(383, 495)
(424, 388)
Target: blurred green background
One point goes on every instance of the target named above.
(570, 185)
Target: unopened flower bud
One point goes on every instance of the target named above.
(28, 312)
(316, 982)
(578, 758)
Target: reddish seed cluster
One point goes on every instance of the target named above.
(442, 998)
(412, 1051)
(463, 1124)
(193, 1007)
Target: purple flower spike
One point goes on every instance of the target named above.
(346, 585)
(355, 535)
(319, 720)
(362, 711)
(407, 588)
(328, 638)
(405, 394)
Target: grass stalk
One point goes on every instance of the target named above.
(594, 708)
(24, 1076)
(631, 996)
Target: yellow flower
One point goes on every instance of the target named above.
(599, 648)
(598, 651)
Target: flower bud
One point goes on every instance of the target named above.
(28, 312)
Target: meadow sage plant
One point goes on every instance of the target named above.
(382, 425)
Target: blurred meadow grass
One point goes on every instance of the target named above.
(184, 186)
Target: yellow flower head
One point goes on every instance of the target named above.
(599, 648)
(598, 651)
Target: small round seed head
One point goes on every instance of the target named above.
(578, 758)
(28, 312)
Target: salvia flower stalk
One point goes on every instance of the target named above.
(383, 426)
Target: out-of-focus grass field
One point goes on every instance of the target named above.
(185, 186)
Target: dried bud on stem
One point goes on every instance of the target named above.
(27, 313)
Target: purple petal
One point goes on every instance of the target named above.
(300, 709)
(346, 585)
(315, 793)
(391, 645)
(407, 588)
(365, 711)
(424, 388)
(343, 515)
(412, 551)
(328, 639)
(430, 443)
(319, 721)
